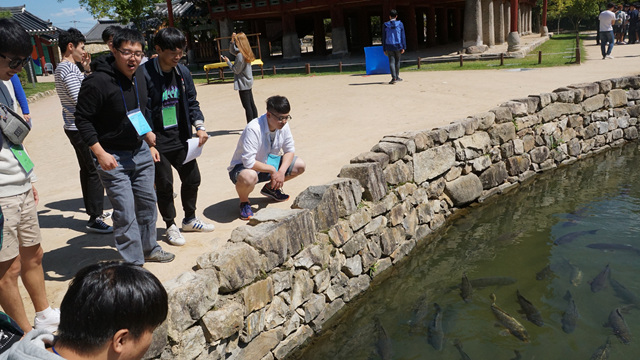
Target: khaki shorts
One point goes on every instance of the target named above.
(21, 227)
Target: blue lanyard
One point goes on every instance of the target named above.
(53, 348)
(135, 80)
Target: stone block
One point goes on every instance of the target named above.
(354, 245)
(262, 345)
(302, 288)
(433, 162)
(555, 110)
(539, 154)
(318, 255)
(631, 133)
(605, 86)
(370, 156)
(485, 120)
(439, 136)
(403, 139)
(436, 188)
(545, 99)
(329, 202)
(633, 95)
(481, 163)
(620, 83)
(464, 190)
(389, 239)
(326, 313)
(292, 342)
(501, 133)
(393, 150)
(507, 149)
(223, 321)
(191, 343)
(238, 264)
(517, 165)
(340, 233)
(593, 103)
(423, 141)
(410, 222)
(257, 295)
(532, 103)
(617, 98)
(356, 286)
(321, 281)
(470, 125)
(375, 225)
(406, 190)
(495, 175)
(399, 172)
(253, 325)
(353, 266)
(503, 115)
(516, 108)
(588, 89)
(472, 146)
(454, 130)
(371, 178)
(453, 173)
(403, 250)
(191, 295)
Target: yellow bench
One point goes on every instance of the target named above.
(221, 65)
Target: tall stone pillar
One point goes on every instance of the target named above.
(498, 14)
(226, 29)
(443, 25)
(338, 33)
(530, 16)
(472, 35)
(488, 33)
(513, 38)
(545, 30)
(431, 26)
(319, 42)
(290, 41)
(507, 18)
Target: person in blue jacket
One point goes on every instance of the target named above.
(394, 43)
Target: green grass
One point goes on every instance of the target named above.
(40, 87)
(559, 52)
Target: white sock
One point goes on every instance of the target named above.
(44, 313)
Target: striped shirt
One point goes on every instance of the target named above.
(68, 80)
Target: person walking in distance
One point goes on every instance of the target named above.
(607, 20)
(242, 73)
(394, 43)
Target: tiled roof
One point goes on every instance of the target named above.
(95, 34)
(33, 24)
(181, 9)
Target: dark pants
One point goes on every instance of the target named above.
(633, 33)
(606, 37)
(92, 189)
(190, 178)
(394, 63)
(250, 110)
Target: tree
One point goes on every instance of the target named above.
(136, 11)
(578, 10)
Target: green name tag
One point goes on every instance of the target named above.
(22, 157)
(169, 118)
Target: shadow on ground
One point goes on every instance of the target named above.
(229, 210)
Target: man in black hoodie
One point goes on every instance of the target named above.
(109, 116)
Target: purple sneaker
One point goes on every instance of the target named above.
(245, 211)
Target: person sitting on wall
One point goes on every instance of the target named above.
(265, 152)
(109, 312)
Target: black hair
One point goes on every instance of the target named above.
(393, 13)
(110, 32)
(128, 35)
(610, 5)
(170, 39)
(106, 297)
(14, 40)
(73, 36)
(279, 104)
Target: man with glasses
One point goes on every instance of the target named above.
(110, 117)
(265, 153)
(20, 249)
(175, 111)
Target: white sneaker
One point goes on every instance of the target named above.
(197, 225)
(49, 323)
(609, 57)
(174, 237)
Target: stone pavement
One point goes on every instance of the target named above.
(335, 118)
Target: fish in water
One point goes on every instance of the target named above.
(575, 274)
(466, 290)
(492, 281)
(567, 238)
(619, 326)
(570, 315)
(383, 342)
(602, 352)
(458, 345)
(620, 247)
(545, 273)
(624, 294)
(508, 321)
(420, 312)
(600, 281)
(530, 311)
(435, 334)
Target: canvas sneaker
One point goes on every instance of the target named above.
(49, 323)
(173, 236)
(105, 215)
(196, 224)
(160, 256)
(609, 57)
(276, 194)
(99, 226)
(245, 211)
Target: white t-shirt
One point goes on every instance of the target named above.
(606, 17)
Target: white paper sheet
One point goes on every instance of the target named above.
(193, 150)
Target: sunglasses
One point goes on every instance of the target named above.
(15, 63)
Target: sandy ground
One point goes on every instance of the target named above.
(335, 118)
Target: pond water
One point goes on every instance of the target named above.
(514, 235)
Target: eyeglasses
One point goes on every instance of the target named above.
(282, 118)
(15, 63)
(129, 53)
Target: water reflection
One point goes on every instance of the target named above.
(513, 235)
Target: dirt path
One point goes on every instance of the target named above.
(334, 119)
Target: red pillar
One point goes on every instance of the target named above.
(514, 16)
(412, 29)
(170, 11)
(40, 53)
(544, 13)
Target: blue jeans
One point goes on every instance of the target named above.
(130, 190)
(394, 63)
(606, 37)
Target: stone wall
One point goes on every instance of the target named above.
(281, 277)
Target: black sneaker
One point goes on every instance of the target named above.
(276, 195)
(99, 226)
(160, 256)
(392, 82)
(398, 79)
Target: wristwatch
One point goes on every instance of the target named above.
(200, 127)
